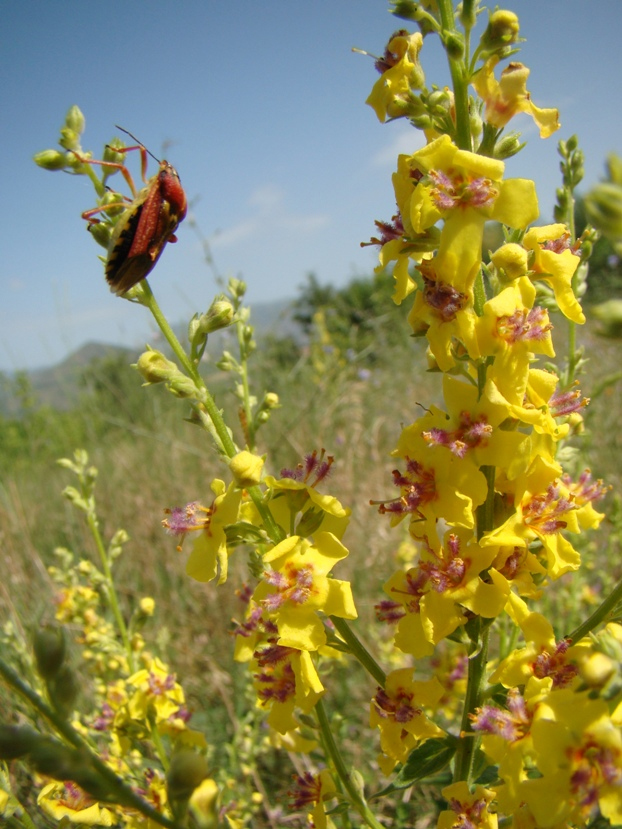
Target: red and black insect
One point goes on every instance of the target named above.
(146, 224)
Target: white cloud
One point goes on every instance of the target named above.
(270, 216)
(404, 141)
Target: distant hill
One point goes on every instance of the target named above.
(59, 385)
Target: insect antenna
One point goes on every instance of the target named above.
(127, 132)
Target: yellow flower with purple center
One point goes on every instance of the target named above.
(210, 555)
(505, 98)
(511, 328)
(578, 751)
(467, 809)
(429, 601)
(542, 655)
(285, 680)
(67, 801)
(398, 711)
(297, 585)
(312, 791)
(401, 72)
(545, 506)
(157, 695)
(440, 485)
(554, 261)
(468, 430)
(466, 190)
(446, 315)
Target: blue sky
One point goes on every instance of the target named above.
(260, 106)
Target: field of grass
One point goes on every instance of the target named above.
(149, 458)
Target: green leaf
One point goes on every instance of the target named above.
(424, 761)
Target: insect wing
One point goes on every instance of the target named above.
(142, 232)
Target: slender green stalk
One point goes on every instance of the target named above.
(111, 593)
(333, 752)
(120, 792)
(358, 650)
(468, 743)
(458, 78)
(602, 614)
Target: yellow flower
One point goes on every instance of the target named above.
(157, 693)
(466, 190)
(467, 808)
(401, 71)
(509, 96)
(555, 262)
(435, 593)
(209, 552)
(397, 711)
(68, 801)
(297, 585)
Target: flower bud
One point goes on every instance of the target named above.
(101, 232)
(236, 287)
(508, 146)
(74, 120)
(511, 261)
(187, 770)
(147, 606)
(503, 28)
(69, 139)
(603, 205)
(610, 314)
(51, 160)
(49, 649)
(63, 690)
(154, 367)
(454, 46)
(16, 740)
(270, 400)
(220, 315)
(112, 156)
(597, 670)
(246, 469)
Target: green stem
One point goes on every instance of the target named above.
(216, 424)
(122, 793)
(600, 615)
(250, 427)
(463, 768)
(111, 592)
(358, 650)
(342, 772)
(457, 69)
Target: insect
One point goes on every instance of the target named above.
(146, 224)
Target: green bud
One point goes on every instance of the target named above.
(74, 120)
(603, 205)
(614, 168)
(508, 146)
(271, 400)
(187, 770)
(69, 139)
(310, 522)
(182, 386)
(112, 156)
(236, 287)
(226, 362)
(155, 368)
(63, 689)
(16, 740)
(51, 160)
(405, 9)
(610, 314)
(454, 46)
(503, 28)
(101, 232)
(49, 648)
(220, 315)
(52, 758)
